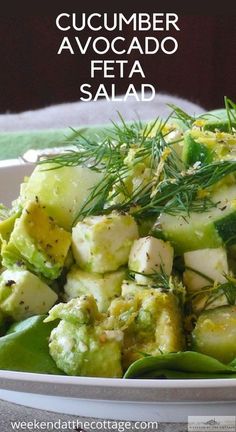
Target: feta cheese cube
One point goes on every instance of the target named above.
(210, 262)
(104, 287)
(130, 288)
(102, 244)
(150, 255)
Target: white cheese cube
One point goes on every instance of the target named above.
(104, 287)
(102, 244)
(22, 294)
(201, 302)
(209, 262)
(129, 288)
(150, 255)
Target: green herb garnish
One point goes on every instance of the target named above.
(230, 107)
(169, 187)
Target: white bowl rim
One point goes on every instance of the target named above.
(116, 382)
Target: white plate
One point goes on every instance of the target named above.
(154, 400)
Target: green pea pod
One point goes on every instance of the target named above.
(25, 347)
(188, 364)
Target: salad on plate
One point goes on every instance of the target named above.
(118, 258)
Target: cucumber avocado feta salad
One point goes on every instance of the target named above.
(119, 257)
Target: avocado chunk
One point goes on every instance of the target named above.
(86, 351)
(102, 244)
(25, 347)
(104, 287)
(82, 310)
(79, 345)
(215, 333)
(22, 294)
(151, 321)
(62, 192)
(7, 220)
(38, 242)
(7, 225)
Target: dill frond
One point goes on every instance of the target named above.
(169, 186)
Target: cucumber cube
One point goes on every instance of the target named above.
(215, 333)
(61, 191)
(210, 229)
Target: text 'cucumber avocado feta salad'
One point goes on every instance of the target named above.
(118, 259)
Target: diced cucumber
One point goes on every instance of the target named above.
(62, 191)
(215, 333)
(205, 146)
(209, 229)
(218, 125)
(194, 150)
(226, 228)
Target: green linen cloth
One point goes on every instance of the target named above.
(15, 144)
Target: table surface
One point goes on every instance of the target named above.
(10, 412)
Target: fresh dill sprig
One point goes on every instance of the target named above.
(126, 147)
(230, 107)
(229, 289)
(126, 132)
(214, 290)
(94, 204)
(163, 282)
(181, 115)
(169, 187)
(157, 279)
(111, 151)
(87, 153)
(179, 194)
(199, 273)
